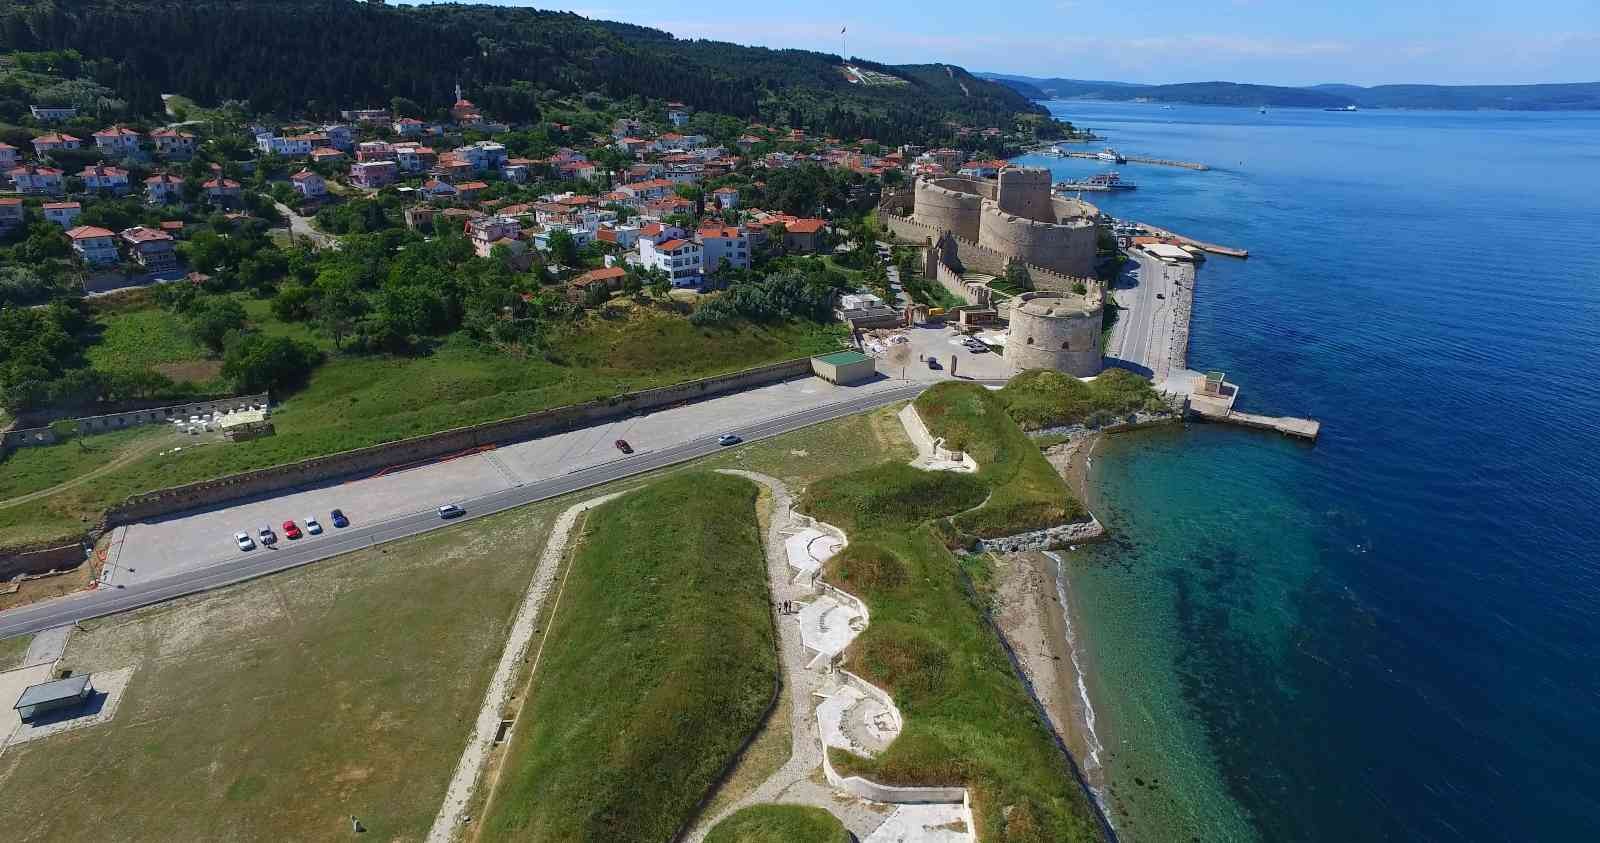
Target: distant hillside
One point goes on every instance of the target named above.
(1554, 97)
(316, 56)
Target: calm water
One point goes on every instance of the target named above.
(1391, 635)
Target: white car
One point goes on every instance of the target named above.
(313, 526)
(244, 541)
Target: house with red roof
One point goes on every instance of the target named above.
(223, 191)
(52, 141)
(174, 143)
(163, 189)
(8, 156)
(35, 180)
(309, 184)
(724, 247)
(64, 214)
(151, 247)
(104, 178)
(11, 214)
(117, 141)
(93, 245)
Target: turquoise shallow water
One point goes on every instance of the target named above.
(1391, 635)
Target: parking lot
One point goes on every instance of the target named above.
(942, 343)
(147, 551)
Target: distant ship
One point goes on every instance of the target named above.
(1263, 109)
(1343, 108)
(1109, 154)
(1099, 182)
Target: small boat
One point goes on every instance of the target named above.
(1342, 109)
(1263, 109)
(1109, 154)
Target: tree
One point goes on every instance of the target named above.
(255, 362)
(339, 306)
(1017, 275)
(212, 318)
(563, 247)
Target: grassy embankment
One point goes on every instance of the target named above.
(12, 650)
(275, 709)
(1041, 398)
(354, 401)
(968, 719)
(779, 824)
(1026, 493)
(663, 663)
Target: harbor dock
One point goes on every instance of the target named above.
(1212, 398)
(1213, 248)
(1141, 159)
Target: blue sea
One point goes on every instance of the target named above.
(1393, 634)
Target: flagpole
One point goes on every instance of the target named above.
(843, 53)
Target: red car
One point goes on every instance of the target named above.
(623, 446)
(291, 530)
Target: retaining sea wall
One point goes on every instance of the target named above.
(431, 446)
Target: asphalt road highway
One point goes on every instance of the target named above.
(261, 562)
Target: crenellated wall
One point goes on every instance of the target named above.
(1025, 192)
(941, 204)
(1067, 248)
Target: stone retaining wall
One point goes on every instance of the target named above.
(431, 446)
(1060, 535)
(19, 438)
(41, 560)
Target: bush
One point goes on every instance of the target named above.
(1042, 398)
(256, 363)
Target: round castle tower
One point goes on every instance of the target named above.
(1052, 330)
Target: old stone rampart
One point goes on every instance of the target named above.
(432, 446)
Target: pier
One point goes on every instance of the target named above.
(1213, 248)
(1141, 159)
(1212, 398)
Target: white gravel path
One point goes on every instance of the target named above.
(465, 781)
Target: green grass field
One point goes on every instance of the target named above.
(137, 340)
(661, 663)
(29, 470)
(1042, 398)
(13, 649)
(276, 709)
(968, 719)
(1026, 492)
(351, 402)
(779, 824)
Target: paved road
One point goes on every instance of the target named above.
(109, 601)
(301, 227)
(1143, 334)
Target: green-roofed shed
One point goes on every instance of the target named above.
(844, 367)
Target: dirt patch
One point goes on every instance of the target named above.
(45, 588)
(192, 371)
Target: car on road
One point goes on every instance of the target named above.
(450, 510)
(978, 348)
(291, 530)
(244, 541)
(267, 536)
(313, 526)
(1161, 295)
(933, 363)
(338, 518)
(728, 439)
(623, 446)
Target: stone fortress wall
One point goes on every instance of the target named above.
(1014, 216)
(1049, 330)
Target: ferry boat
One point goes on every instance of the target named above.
(1098, 182)
(1109, 154)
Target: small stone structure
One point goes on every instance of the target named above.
(134, 418)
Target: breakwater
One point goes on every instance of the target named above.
(1141, 159)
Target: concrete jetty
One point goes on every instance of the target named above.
(1213, 248)
(1211, 397)
(1141, 159)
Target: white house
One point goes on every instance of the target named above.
(33, 179)
(726, 197)
(11, 214)
(725, 247)
(414, 157)
(436, 189)
(52, 113)
(409, 127)
(163, 189)
(309, 184)
(580, 236)
(483, 155)
(173, 143)
(64, 214)
(152, 248)
(683, 260)
(289, 146)
(117, 141)
(96, 246)
(8, 156)
(223, 190)
(52, 141)
(102, 178)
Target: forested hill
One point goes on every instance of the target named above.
(316, 56)
(1552, 97)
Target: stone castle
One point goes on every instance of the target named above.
(976, 225)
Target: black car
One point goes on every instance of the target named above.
(338, 519)
(623, 446)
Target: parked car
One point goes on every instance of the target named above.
(291, 530)
(979, 348)
(244, 541)
(313, 526)
(1161, 295)
(623, 446)
(933, 363)
(450, 510)
(728, 439)
(338, 518)
(267, 536)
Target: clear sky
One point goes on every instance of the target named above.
(1282, 42)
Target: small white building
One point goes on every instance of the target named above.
(726, 197)
(95, 246)
(102, 178)
(682, 260)
(290, 146)
(117, 141)
(35, 180)
(409, 127)
(173, 143)
(53, 113)
(52, 141)
(163, 189)
(724, 247)
(8, 156)
(309, 184)
(64, 214)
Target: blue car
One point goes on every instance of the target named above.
(338, 519)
